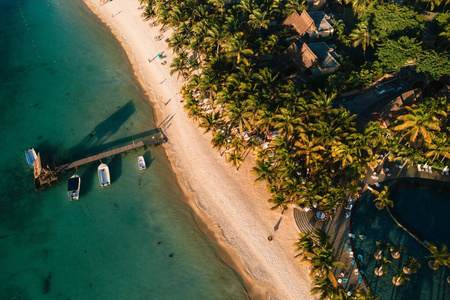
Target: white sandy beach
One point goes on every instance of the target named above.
(231, 209)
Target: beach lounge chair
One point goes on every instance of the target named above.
(362, 272)
(419, 168)
(356, 272)
(360, 257)
(344, 280)
(360, 280)
(347, 214)
(349, 207)
(353, 262)
(351, 235)
(377, 184)
(349, 250)
(350, 254)
(347, 245)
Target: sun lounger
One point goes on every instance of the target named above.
(377, 184)
(349, 207)
(360, 257)
(347, 214)
(347, 245)
(344, 280)
(419, 168)
(351, 235)
(349, 250)
(360, 280)
(362, 272)
(353, 262)
(350, 254)
(356, 272)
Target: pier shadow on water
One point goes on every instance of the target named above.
(88, 178)
(148, 158)
(115, 168)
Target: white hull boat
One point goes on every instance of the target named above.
(30, 155)
(103, 175)
(73, 187)
(141, 163)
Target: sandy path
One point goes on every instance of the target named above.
(231, 209)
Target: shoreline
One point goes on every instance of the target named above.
(228, 207)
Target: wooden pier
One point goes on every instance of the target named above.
(87, 160)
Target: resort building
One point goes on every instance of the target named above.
(310, 60)
(313, 24)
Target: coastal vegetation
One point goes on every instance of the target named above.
(308, 149)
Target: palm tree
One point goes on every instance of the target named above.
(440, 257)
(235, 157)
(286, 121)
(322, 238)
(309, 148)
(440, 147)
(259, 19)
(384, 263)
(324, 287)
(411, 265)
(366, 295)
(418, 124)
(382, 198)
(381, 247)
(179, 64)
(237, 47)
(323, 262)
(395, 250)
(219, 140)
(363, 36)
(359, 6)
(304, 244)
(209, 121)
(399, 277)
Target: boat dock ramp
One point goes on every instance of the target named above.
(44, 176)
(97, 157)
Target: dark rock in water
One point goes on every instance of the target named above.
(40, 137)
(159, 243)
(91, 134)
(47, 283)
(90, 285)
(171, 255)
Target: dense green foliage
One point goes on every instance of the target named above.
(307, 150)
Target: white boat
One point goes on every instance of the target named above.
(103, 175)
(73, 187)
(30, 155)
(141, 163)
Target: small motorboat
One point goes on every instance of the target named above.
(103, 175)
(30, 155)
(73, 187)
(141, 163)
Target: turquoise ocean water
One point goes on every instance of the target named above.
(66, 89)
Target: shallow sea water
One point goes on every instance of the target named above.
(66, 89)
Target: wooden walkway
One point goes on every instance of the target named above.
(87, 160)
